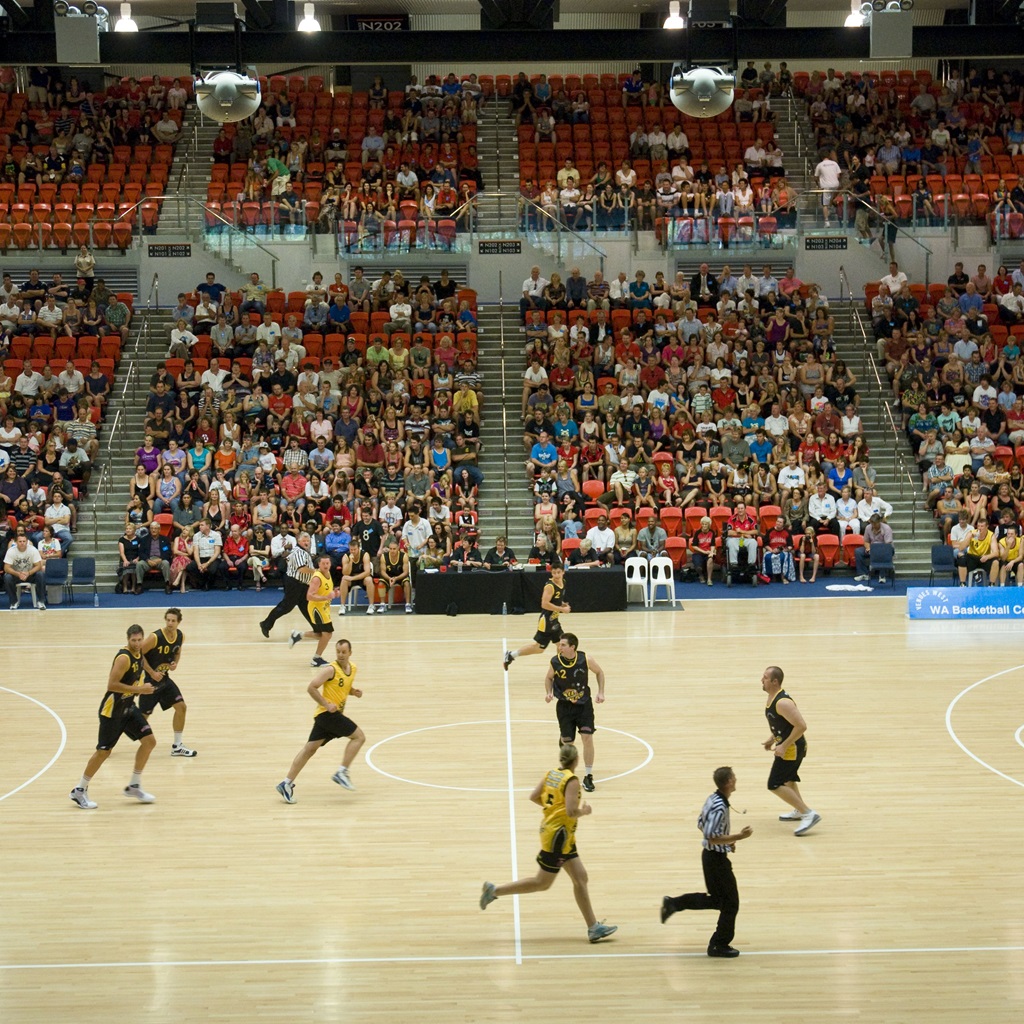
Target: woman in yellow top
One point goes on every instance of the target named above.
(330, 688)
(319, 595)
(558, 795)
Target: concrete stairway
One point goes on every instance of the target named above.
(503, 452)
(912, 525)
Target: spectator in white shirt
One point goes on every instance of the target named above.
(182, 340)
(71, 379)
(851, 425)
(214, 377)
(790, 476)
(821, 511)
(269, 331)
(895, 279)
(28, 381)
(401, 317)
(602, 540)
(870, 504)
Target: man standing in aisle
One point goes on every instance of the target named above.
(787, 726)
(828, 174)
(722, 893)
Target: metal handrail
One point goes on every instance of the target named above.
(504, 397)
(852, 200)
(559, 228)
(900, 470)
(153, 299)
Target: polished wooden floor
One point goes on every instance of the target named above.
(222, 903)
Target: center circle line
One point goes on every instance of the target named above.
(60, 748)
(496, 721)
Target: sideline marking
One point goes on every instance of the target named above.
(60, 749)
(517, 926)
(956, 739)
(498, 958)
(497, 789)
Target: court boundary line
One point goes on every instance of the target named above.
(508, 957)
(516, 920)
(420, 642)
(956, 739)
(60, 748)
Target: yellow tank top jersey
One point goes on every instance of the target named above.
(338, 687)
(556, 820)
(321, 607)
(1013, 553)
(557, 597)
(979, 547)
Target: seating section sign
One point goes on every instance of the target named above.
(965, 603)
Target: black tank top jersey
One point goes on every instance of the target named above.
(780, 728)
(393, 568)
(572, 679)
(118, 703)
(165, 653)
(557, 593)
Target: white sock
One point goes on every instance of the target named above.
(84, 783)
(177, 739)
(342, 768)
(588, 769)
(513, 655)
(136, 779)
(288, 781)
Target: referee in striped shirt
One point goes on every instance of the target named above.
(296, 581)
(718, 843)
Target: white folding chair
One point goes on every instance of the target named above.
(637, 575)
(661, 577)
(27, 588)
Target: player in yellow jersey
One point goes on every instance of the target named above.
(558, 795)
(319, 595)
(1011, 557)
(120, 715)
(329, 720)
(552, 605)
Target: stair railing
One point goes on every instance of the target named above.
(526, 206)
(901, 472)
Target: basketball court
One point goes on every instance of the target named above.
(222, 903)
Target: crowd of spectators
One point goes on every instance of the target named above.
(359, 163)
(55, 380)
(665, 416)
(288, 417)
(952, 354)
(914, 149)
(71, 155)
(611, 153)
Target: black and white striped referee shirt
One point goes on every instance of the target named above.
(298, 559)
(714, 821)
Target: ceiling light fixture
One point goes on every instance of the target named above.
(126, 23)
(308, 23)
(674, 19)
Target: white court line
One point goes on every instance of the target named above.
(635, 637)
(368, 756)
(956, 739)
(60, 749)
(517, 925)
(1018, 737)
(506, 957)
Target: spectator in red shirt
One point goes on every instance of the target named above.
(236, 555)
(370, 452)
(742, 534)
(293, 488)
(778, 554)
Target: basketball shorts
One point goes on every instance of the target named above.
(556, 848)
(320, 620)
(166, 695)
(784, 771)
(132, 723)
(331, 725)
(575, 716)
(553, 632)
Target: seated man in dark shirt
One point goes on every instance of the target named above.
(500, 557)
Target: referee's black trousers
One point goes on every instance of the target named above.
(294, 597)
(722, 895)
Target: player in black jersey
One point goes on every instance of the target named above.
(790, 747)
(118, 714)
(568, 682)
(161, 653)
(552, 605)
